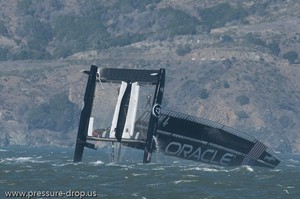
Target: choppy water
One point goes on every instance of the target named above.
(51, 169)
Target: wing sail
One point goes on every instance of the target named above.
(117, 75)
(155, 114)
(85, 115)
(132, 111)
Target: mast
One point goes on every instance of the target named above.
(155, 113)
(85, 115)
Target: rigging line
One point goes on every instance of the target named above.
(148, 101)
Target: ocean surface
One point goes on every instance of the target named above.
(50, 173)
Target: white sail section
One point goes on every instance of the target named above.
(117, 110)
(91, 126)
(132, 110)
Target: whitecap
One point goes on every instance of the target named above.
(98, 162)
(3, 150)
(205, 169)
(3, 181)
(290, 187)
(93, 176)
(139, 174)
(24, 160)
(289, 165)
(286, 191)
(293, 161)
(63, 164)
(248, 168)
(183, 181)
(19, 159)
(191, 176)
(154, 184)
(158, 169)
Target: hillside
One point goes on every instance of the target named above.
(234, 63)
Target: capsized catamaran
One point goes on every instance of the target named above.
(169, 132)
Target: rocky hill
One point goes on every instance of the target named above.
(231, 62)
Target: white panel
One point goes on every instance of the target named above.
(91, 126)
(132, 109)
(117, 110)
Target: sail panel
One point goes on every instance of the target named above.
(154, 117)
(132, 110)
(91, 126)
(117, 110)
(85, 115)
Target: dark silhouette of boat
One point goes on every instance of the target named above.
(159, 130)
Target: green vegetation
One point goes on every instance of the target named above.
(204, 94)
(75, 34)
(226, 84)
(285, 121)
(176, 22)
(3, 29)
(46, 30)
(274, 48)
(217, 16)
(291, 56)
(254, 39)
(59, 114)
(242, 115)
(88, 30)
(226, 38)
(182, 50)
(242, 100)
(130, 5)
(3, 53)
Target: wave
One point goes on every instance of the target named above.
(24, 160)
(216, 169)
(158, 169)
(293, 161)
(248, 168)
(184, 181)
(3, 150)
(63, 164)
(97, 163)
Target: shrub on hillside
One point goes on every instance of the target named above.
(254, 39)
(182, 50)
(203, 93)
(274, 48)
(242, 100)
(217, 16)
(291, 56)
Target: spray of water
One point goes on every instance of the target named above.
(156, 144)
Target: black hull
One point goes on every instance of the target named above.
(201, 140)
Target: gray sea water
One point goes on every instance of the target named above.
(50, 173)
